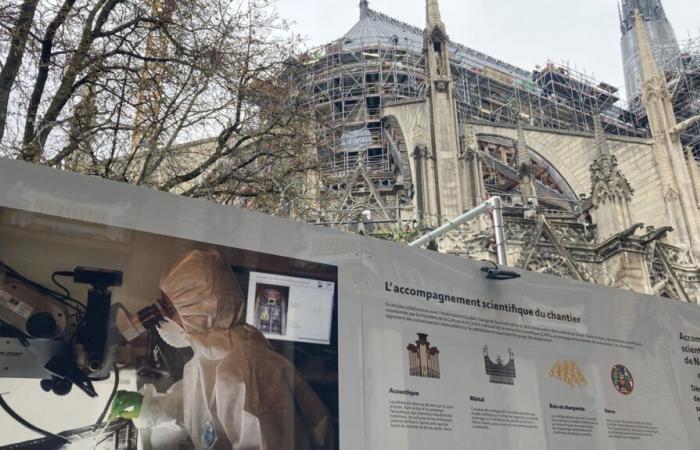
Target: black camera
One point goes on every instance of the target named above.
(98, 278)
(93, 330)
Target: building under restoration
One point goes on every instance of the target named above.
(680, 63)
(380, 61)
(417, 129)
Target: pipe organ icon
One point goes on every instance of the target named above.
(423, 360)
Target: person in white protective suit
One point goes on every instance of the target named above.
(237, 392)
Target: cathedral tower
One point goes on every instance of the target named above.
(442, 111)
(678, 189)
(663, 40)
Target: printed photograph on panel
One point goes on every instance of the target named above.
(271, 308)
(118, 338)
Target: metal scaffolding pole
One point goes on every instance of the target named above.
(493, 206)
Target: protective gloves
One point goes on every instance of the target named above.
(173, 334)
(126, 405)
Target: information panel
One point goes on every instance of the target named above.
(530, 363)
(683, 337)
(389, 347)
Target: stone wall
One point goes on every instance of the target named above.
(572, 153)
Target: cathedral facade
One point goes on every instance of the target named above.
(418, 129)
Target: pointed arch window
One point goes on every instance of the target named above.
(500, 169)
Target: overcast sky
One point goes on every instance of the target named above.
(522, 32)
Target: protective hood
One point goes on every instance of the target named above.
(204, 292)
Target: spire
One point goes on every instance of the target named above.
(679, 196)
(447, 180)
(364, 9)
(435, 45)
(648, 14)
(606, 179)
(619, 14)
(433, 17)
(650, 70)
(650, 10)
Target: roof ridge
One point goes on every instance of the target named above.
(398, 22)
(376, 14)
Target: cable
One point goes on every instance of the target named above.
(67, 296)
(44, 290)
(61, 274)
(22, 421)
(65, 300)
(495, 266)
(111, 398)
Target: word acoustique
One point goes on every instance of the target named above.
(512, 308)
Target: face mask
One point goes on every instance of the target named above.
(173, 334)
(197, 321)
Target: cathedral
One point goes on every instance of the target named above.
(418, 129)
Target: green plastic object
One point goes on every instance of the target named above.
(126, 405)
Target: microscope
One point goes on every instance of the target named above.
(50, 336)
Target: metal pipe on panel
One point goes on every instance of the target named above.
(493, 205)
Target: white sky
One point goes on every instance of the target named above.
(585, 33)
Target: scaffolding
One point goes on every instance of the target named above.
(554, 96)
(347, 85)
(349, 81)
(381, 61)
(682, 71)
(683, 76)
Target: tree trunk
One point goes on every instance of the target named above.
(43, 73)
(33, 152)
(14, 57)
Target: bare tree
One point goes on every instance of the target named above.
(190, 96)
(11, 67)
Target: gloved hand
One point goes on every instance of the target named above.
(126, 405)
(173, 334)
